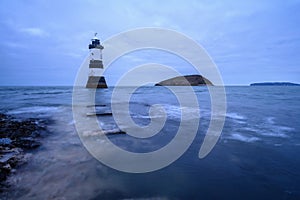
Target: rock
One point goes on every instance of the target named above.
(103, 132)
(193, 80)
(98, 113)
(97, 105)
(27, 143)
(5, 141)
(15, 137)
(6, 156)
(114, 131)
(7, 167)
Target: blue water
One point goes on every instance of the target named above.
(256, 157)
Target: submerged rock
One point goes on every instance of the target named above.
(103, 132)
(99, 113)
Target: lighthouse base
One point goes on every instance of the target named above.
(96, 82)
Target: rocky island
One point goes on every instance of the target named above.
(274, 84)
(193, 80)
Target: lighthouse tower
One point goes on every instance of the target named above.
(95, 65)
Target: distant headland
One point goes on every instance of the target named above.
(193, 80)
(274, 84)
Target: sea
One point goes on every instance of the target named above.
(257, 155)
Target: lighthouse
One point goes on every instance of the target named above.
(96, 65)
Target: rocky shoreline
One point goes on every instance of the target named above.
(17, 137)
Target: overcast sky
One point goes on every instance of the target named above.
(44, 42)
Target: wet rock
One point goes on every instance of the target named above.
(99, 113)
(7, 155)
(5, 141)
(27, 143)
(103, 132)
(16, 136)
(7, 167)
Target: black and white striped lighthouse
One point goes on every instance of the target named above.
(95, 79)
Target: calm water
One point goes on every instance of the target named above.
(257, 156)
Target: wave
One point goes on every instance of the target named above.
(34, 109)
(45, 93)
(175, 112)
(172, 112)
(263, 131)
(273, 129)
(270, 120)
(235, 116)
(268, 128)
(243, 138)
(273, 134)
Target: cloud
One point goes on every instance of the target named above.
(11, 44)
(74, 55)
(33, 31)
(240, 36)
